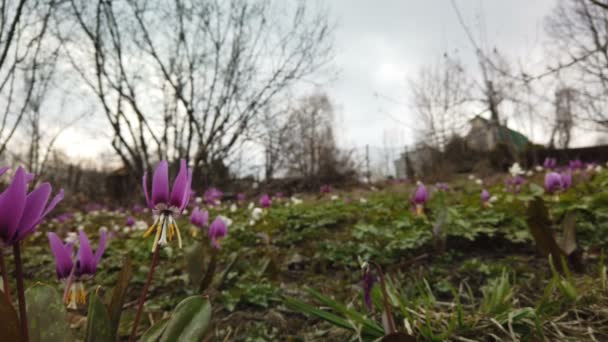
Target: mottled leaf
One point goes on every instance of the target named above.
(46, 315)
(154, 333)
(98, 321)
(118, 296)
(189, 321)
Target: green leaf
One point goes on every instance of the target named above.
(189, 321)
(10, 320)
(98, 321)
(155, 332)
(118, 296)
(305, 308)
(46, 315)
(370, 327)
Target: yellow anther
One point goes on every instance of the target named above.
(156, 238)
(82, 296)
(149, 231)
(171, 231)
(179, 237)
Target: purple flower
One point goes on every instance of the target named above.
(420, 198)
(485, 197)
(138, 208)
(279, 195)
(130, 221)
(20, 212)
(86, 261)
(199, 218)
(368, 285)
(442, 186)
(241, 197)
(63, 218)
(180, 194)
(566, 180)
(265, 201)
(550, 163)
(84, 268)
(213, 196)
(325, 189)
(63, 255)
(217, 231)
(553, 182)
(514, 183)
(166, 206)
(576, 164)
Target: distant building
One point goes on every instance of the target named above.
(485, 135)
(414, 162)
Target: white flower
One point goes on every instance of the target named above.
(363, 200)
(250, 206)
(334, 197)
(226, 220)
(599, 168)
(472, 177)
(478, 181)
(539, 168)
(71, 238)
(529, 173)
(185, 212)
(140, 225)
(257, 213)
(255, 185)
(516, 170)
(493, 199)
(233, 208)
(198, 200)
(296, 200)
(251, 222)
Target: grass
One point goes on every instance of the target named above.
(472, 275)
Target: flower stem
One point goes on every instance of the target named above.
(142, 299)
(21, 292)
(390, 320)
(5, 282)
(208, 278)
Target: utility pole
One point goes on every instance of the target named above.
(404, 161)
(368, 173)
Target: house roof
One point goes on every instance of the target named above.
(507, 135)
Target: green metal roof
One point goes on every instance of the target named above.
(509, 136)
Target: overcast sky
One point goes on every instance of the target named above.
(379, 45)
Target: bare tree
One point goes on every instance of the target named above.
(562, 130)
(439, 95)
(188, 79)
(273, 136)
(310, 149)
(23, 51)
(579, 31)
